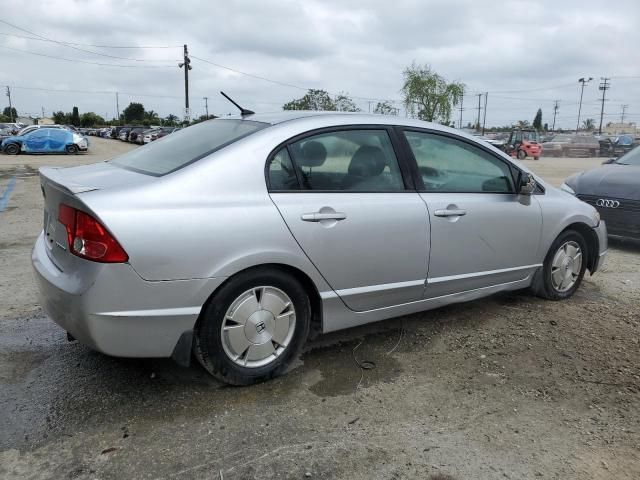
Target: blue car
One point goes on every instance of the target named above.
(45, 140)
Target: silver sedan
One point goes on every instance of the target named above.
(236, 238)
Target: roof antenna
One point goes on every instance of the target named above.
(243, 111)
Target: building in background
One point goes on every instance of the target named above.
(621, 129)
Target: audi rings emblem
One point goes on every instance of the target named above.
(606, 203)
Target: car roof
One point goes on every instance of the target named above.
(324, 118)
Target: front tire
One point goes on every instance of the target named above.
(254, 327)
(71, 149)
(563, 268)
(522, 154)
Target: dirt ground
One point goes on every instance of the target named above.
(506, 387)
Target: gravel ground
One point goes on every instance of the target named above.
(506, 387)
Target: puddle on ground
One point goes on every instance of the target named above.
(340, 374)
(19, 172)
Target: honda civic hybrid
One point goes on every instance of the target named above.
(236, 239)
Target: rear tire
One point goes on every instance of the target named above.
(563, 268)
(253, 327)
(522, 154)
(12, 149)
(71, 149)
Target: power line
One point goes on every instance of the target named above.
(74, 60)
(69, 45)
(91, 44)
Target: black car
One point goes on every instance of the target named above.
(133, 134)
(614, 189)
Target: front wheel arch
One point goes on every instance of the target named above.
(593, 244)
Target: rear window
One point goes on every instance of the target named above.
(186, 146)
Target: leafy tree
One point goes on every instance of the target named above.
(428, 96)
(537, 121)
(91, 119)
(589, 124)
(58, 117)
(522, 124)
(343, 103)
(312, 100)
(4, 118)
(7, 112)
(545, 127)
(134, 113)
(385, 108)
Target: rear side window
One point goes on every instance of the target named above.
(282, 175)
(188, 145)
(348, 160)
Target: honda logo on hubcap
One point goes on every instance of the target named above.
(260, 327)
(603, 202)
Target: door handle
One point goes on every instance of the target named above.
(450, 212)
(319, 216)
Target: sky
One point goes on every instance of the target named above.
(525, 54)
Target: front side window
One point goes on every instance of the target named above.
(186, 146)
(348, 160)
(449, 165)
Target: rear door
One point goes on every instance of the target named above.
(482, 232)
(342, 193)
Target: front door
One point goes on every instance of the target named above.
(482, 232)
(342, 195)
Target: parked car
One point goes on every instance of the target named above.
(148, 136)
(236, 237)
(164, 131)
(31, 128)
(133, 134)
(564, 145)
(45, 140)
(123, 134)
(614, 190)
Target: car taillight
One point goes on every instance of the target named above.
(87, 238)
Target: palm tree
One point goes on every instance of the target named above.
(522, 123)
(151, 116)
(171, 119)
(589, 124)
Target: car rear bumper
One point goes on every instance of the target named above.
(116, 312)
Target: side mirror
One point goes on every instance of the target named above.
(526, 183)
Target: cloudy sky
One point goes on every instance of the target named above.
(526, 54)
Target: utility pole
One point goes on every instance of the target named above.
(555, 112)
(369, 102)
(583, 82)
(484, 119)
(42, 112)
(187, 66)
(118, 108)
(206, 106)
(461, 102)
(10, 107)
(624, 110)
(604, 86)
(479, 95)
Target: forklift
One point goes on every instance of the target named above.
(524, 143)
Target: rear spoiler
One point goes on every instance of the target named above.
(53, 174)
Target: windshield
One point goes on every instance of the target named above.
(186, 146)
(561, 138)
(530, 136)
(632, 157)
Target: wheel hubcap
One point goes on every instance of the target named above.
(258, 326)
(566, 266)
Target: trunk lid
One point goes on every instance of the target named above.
(66, 185)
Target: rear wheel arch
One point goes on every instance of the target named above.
(306, 282)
